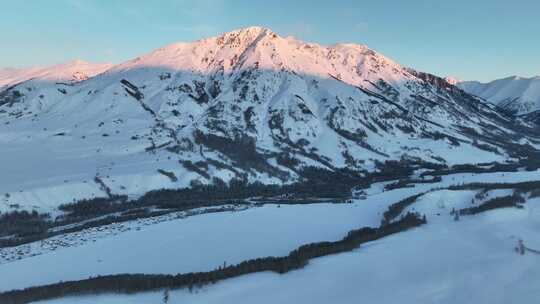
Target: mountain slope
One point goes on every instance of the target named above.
(517, 95)
(33, 85)
(248, 104)
(73, 71)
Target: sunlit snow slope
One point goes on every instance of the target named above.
(518, 95)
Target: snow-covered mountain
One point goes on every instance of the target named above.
(516, 95)
(254, 106)
(452, 80)
(70, 72)
(248, 104)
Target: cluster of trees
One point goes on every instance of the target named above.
(94, 207)
(130, 283)
(318, 183)
(23, 223)
(392, 169)
(242, 150)
(396, 209)
(198, 167)
(168, 174)
(409, 182)
(10, 97)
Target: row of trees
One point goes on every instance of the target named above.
(514, 200)
(130, 283)
(409, 182)
(396, 209)
(95, 206)
(474, 168)
(529, 186)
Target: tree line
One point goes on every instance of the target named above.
(529, 186)
(514, 200)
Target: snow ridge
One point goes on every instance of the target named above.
(517, 94)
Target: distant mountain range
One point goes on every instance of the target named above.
(516, 95)
(70, 72)
(249, 105)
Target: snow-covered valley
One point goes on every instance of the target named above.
(203, 242)
(447, 260)
(515, 94)
(470, 261)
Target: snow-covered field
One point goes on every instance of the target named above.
(204, 242)
(193, 244)
(467, 261)
(63, 168)
(85, 236)
(515, 93)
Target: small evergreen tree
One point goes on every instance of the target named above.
(521, 247)
(166, 296)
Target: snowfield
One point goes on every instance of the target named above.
(82, 237)
(199, 243)
(517, 94)
(203, 242)
(467, 261)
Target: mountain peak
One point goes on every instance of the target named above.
(517, 94)
(243, 36)
(246, 105)
(71, 71)
(452, 80)
(251, 31)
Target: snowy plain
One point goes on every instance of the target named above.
(204, 242)
(467, 261)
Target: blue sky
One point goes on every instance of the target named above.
(479, 39)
